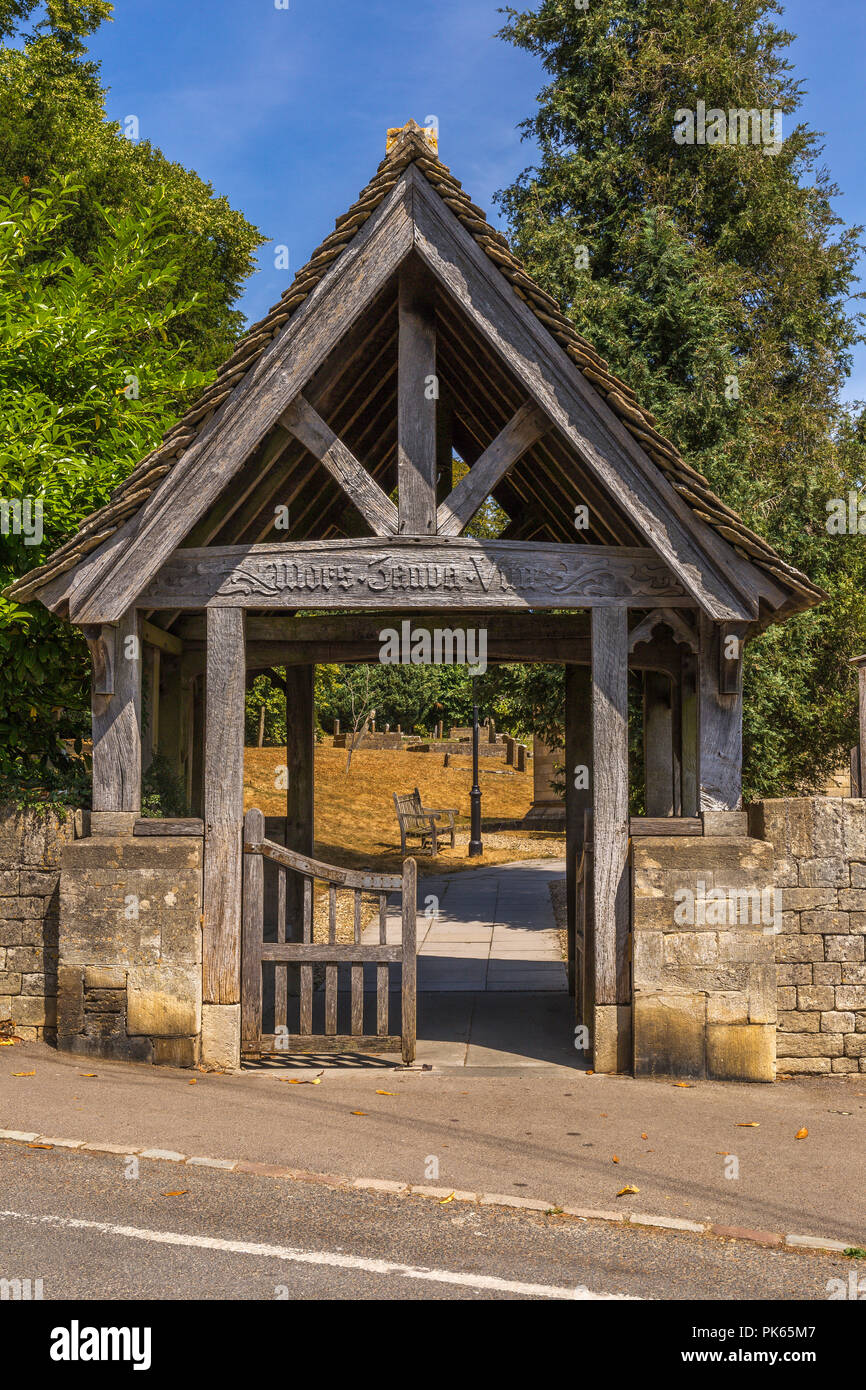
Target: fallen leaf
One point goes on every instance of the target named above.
(23, 1073)
(590, 1072)
(644, 1136)
(88, 1073)
(748, 1124)
(614, 1159)
(358, 1112)
(386, 1093)
(446, 1200)
(628, 1191)
(686, 1085)
(181, 1192)
(194, 1081)
(40, 1146)
(802, 1134)
(7, 1042)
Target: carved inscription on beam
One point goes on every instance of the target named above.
(412, 574)
(308, 426)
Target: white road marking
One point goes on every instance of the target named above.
(486, 1282)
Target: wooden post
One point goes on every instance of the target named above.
(409, 967)
(578, 791)
(861, 692)
(300, 795)
(610, 829)
(444, 444)
(150, 705)
(416, 407)
(253, 931)
(720, 727)
(223, 805)
(116, 714)
(658, 744)
(689, 734)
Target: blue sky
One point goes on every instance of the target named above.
(285, 110)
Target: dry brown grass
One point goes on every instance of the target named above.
(356, 826)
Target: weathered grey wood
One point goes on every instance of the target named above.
(666, 825)
(409, 954)
(294, 951)
(528, 425)
(689, 734)
(116, 720)
(610, 804)
(150, 675)
(856, 772)
(382, 973)
(164, 641)
(300, 791)
(306, 1011)
(224, 806)
(704, 563)
(314, 868)
(664, 617)
(416, 406)
(97, 591)
(444, 442)
(253, 932)
(308, 426)
(658, 744)
(861, 704)
(578, 797)
(365, 627)
(357, 974)
(720, 731)
(280, 1045)
(413, 573)
(330, 970)
(189, 828)
(102, 642)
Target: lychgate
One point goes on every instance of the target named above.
(306, 502)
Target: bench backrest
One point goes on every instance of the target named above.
(408, 807)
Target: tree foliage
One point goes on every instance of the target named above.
(717, 281)
(89, 381)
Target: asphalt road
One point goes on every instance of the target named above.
(89, 1231)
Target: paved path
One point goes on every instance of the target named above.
(487, 929)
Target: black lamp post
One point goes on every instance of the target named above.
(475, 845)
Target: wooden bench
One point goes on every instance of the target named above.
(416, 819)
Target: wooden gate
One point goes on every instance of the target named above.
(269, 963)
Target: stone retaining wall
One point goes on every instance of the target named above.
(703, 958)
(31, 843)
(130, 963)
(820, 845)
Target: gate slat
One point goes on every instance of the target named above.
(281, 980)
(306, 1019)
(253, 928)
(357, 976)
(331, 970)
(382, 973)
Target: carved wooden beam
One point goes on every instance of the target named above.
(307, 425)
(415, 574)
(528, 425)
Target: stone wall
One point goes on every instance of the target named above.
(820, 845)
(131, 949)
(703, 961)
(31, 843)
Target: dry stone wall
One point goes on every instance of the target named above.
(820, 845)
(31, 843)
